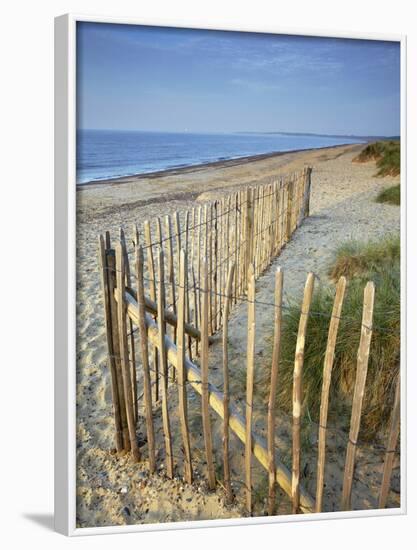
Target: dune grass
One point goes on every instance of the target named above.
(359, 262)
(385, 153)
(392, 195)
(360, 259)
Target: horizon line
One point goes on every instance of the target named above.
(264, 132)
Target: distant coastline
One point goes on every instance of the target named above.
(338, 136)
(104, 155)
(223, 163)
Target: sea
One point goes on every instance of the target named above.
(106, 154)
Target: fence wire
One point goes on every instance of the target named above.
(284, 307)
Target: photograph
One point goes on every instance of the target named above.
(238, 275)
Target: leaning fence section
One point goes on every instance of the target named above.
(250, 225)
(163, 301)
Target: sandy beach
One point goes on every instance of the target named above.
(113, 490)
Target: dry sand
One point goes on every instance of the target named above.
(113, 491)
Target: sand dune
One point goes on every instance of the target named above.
(112, 490)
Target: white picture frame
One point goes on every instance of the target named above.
(65, 293)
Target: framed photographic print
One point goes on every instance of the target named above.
(229, 276)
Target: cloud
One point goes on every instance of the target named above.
(256, 52)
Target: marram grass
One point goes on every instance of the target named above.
(379, 262)
(385, 153)
(391, 195)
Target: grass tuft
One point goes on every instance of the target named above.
(385, 153)
(358, 259)
(392, 195)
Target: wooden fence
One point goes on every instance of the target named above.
(203, 269)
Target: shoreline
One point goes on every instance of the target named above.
(224, 163)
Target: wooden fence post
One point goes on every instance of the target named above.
(111, 263)
(327, 374)
(152, 293)
(143, 333)
(393, 434)
(249, 231)
(361, 372)
(288, 229)
(187, 285)
(198, 271)
(170, 269)
(205, 411)
(124, 351)
(177, 230)
(250, 375)
(182, 376)
(226, 400)
(297, 389)
(273, 390)
(307, 193)
(111, 354)
(221, 228)
(193, 318)
(171, 279)
(282, 231)
(215, 267)
(131, 333)
(164, 365)
(236, 246)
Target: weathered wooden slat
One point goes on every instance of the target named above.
(152, 293)
(177, 232)
(250, 375)
(198, 258)
(182, 374)
(325, 390)
(216, 264)
(205, 410)
(226, 390)
(234, 244)
(297, 389)
(131, 333)
(187, 286)
(219, 263)
(143, 334)
(394, 432)
(288, 229)
(192, 290)
(170, 267)
(307, 193)
(111, 355)
(249, 230)
(273, 390)
(164, 365)
(361, 372)
(111, 263)
(210, 260)
(124, 351)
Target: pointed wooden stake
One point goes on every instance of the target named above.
(361, 372)
(297, 389)
(327, 375)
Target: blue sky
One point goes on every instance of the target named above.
(153, 78)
